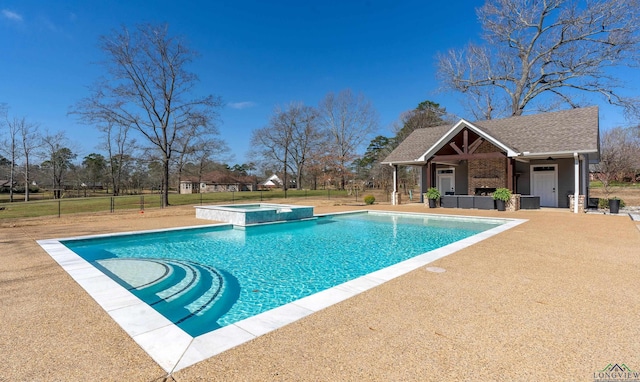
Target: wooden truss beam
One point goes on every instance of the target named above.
(456, 148)
(439, 158)
(474, 146)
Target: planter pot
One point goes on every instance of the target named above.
(501, 205)
(432, 203)
(614, 206)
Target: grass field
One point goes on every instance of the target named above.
(132, 202)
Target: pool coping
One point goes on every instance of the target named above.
(152, 331)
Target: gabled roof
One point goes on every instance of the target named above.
(6, 182)
(546, 134)
(458, 127)
(273, 180)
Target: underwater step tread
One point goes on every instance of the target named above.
(208, 299)
(200, 290)
(192, 277)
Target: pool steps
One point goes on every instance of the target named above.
(189, 293)
(173, 290)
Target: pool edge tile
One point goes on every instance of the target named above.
(212, 343)
(165, 356)
(273, 319)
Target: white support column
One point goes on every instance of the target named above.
(395, 200)
(395, 179)
(576, 185)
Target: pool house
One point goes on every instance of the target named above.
(542, 158)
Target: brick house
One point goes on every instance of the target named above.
(217, 181)
(545, 156)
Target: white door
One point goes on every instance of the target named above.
(446, 181)
(544, 183)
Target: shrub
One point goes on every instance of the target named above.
(369, 199)
(503, 194)
(433, 193)
(603, 203)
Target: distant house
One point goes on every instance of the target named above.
(217, 181)
(546, 156)
(275, 182)
(272, 182)
(4, 184)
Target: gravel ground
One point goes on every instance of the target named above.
(555, 298)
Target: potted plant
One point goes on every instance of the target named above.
(502, 196)
(614, 205)
(433, 194)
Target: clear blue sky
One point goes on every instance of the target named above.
(255, 54)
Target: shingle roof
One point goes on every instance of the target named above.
(416, 144)
(574, 130)
(219, 177)
(562, 131)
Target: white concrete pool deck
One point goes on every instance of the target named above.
(153, 332)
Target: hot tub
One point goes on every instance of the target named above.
(247, 214)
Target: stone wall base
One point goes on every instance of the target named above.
(514, 203)
(396, 198)
(581, 203)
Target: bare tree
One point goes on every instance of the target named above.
(29, 141)
(150, 89)
(544, 53)
(319, 161)
(306, 137)
(23, 140)
(203, 153)
(184, 150)
(193, 146)
(10, 146)
(350, 121)
(274, 142)
(290, 139)
(120, 149)
(57, 159)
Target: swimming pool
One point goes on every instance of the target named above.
(254, 273)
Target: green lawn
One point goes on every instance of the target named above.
(598, 184)
(108, 204)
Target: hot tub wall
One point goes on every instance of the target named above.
(247, 217)
(232, 217)
(279, 214)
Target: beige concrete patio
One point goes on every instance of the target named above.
(556, 298)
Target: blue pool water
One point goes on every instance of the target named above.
(206, 278)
